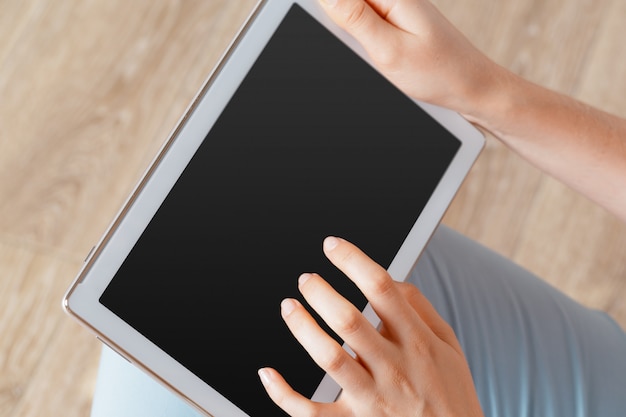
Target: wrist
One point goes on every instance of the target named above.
(490, 97)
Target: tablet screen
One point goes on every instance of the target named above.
(313, 143)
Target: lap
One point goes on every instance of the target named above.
(532, 350)
(122, 390)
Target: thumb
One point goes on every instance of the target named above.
(361, 21)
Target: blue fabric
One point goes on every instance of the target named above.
(122, 390)
(532, 350)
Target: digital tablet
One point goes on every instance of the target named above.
(293, 137)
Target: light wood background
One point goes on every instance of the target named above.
(90, 89)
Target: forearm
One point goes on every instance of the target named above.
(429, 59)
(579, 145)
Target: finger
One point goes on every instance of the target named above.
(342, 317)
(364, 23)
(408, 15)
(375, 283)
(290, 401)
(404, 14)
(323, 349)
(440, 328)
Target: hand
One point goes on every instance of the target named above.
(418, 50)
(413, 367)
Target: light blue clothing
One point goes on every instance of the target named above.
(533, 351)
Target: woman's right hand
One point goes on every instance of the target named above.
(413, 366)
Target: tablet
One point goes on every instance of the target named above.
(293, 137)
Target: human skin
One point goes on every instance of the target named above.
(414, 366)
(414, 45)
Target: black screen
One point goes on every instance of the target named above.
(313, 143)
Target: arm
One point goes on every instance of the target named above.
(581, 146)
(413, 44)
(414, 365)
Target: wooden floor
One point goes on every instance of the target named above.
(90, 89)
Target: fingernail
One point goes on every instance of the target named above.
(303, 278)
(287, 306)
(330, 243)
(265, 376)
(329, 2)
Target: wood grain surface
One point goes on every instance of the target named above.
(89, 90)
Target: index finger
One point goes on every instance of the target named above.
(374, 282)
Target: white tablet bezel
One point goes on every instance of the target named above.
(81, 299)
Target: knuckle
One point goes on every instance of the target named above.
(413, 296)
(389, 407)
(349, 323)
(423, 346)
(356, 16)
(314, 412)
(446, 330)
(335, 360)
(382, 284)
(311, 410)
(408, 291)
(398, 378)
